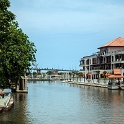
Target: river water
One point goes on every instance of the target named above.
(62, 103)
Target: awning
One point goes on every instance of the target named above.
(107, 74)
(117, 72)
(116, 76)
(89, 74)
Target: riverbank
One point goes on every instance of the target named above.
(38, 79)
(103, 85)
(95, 84)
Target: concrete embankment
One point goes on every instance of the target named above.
(38, 79)
(88, 84)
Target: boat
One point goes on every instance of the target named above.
(63, 81)
(122, 86)
(113, 86)
(114, 80)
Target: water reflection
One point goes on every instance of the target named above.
(105, 104)
(17, 114)
(62, 103)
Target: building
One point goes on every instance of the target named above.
(108, 57)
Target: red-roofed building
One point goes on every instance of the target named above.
(109, 57)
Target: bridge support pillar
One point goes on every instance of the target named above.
(22, 86)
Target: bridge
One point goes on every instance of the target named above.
(51, 69)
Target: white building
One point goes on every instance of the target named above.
(109, 57)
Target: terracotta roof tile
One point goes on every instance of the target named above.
(117, 72)
(115, 76)
(117, 42)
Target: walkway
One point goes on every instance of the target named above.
(104, 85)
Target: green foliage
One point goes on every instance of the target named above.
(39, 73)
(17, 52)
(104, 72)
(104, 78)
(80, 74)
(98, 72)
(49, 72)
(60, 73)
(70, 73)
(76, 72)
(34, 74)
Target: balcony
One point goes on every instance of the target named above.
(113, 53)
(118, 61)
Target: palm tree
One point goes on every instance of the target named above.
(77, 75)
(73, 74)
(60, 73)
(104, 74)
(34, 74)
(80, 75)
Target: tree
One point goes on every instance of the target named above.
(17, 52)
(73, 74)
(6, 17)
(80, 74)
(76, 73)
(34, 74)
(60, 73)
(104, 74)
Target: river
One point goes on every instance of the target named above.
(62, 103)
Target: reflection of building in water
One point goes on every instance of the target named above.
(20, 107)
(117, 100)
(108, 102)
(17, 115)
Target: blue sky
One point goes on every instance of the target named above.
(66, 30)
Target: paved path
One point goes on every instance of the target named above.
(89, 84)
